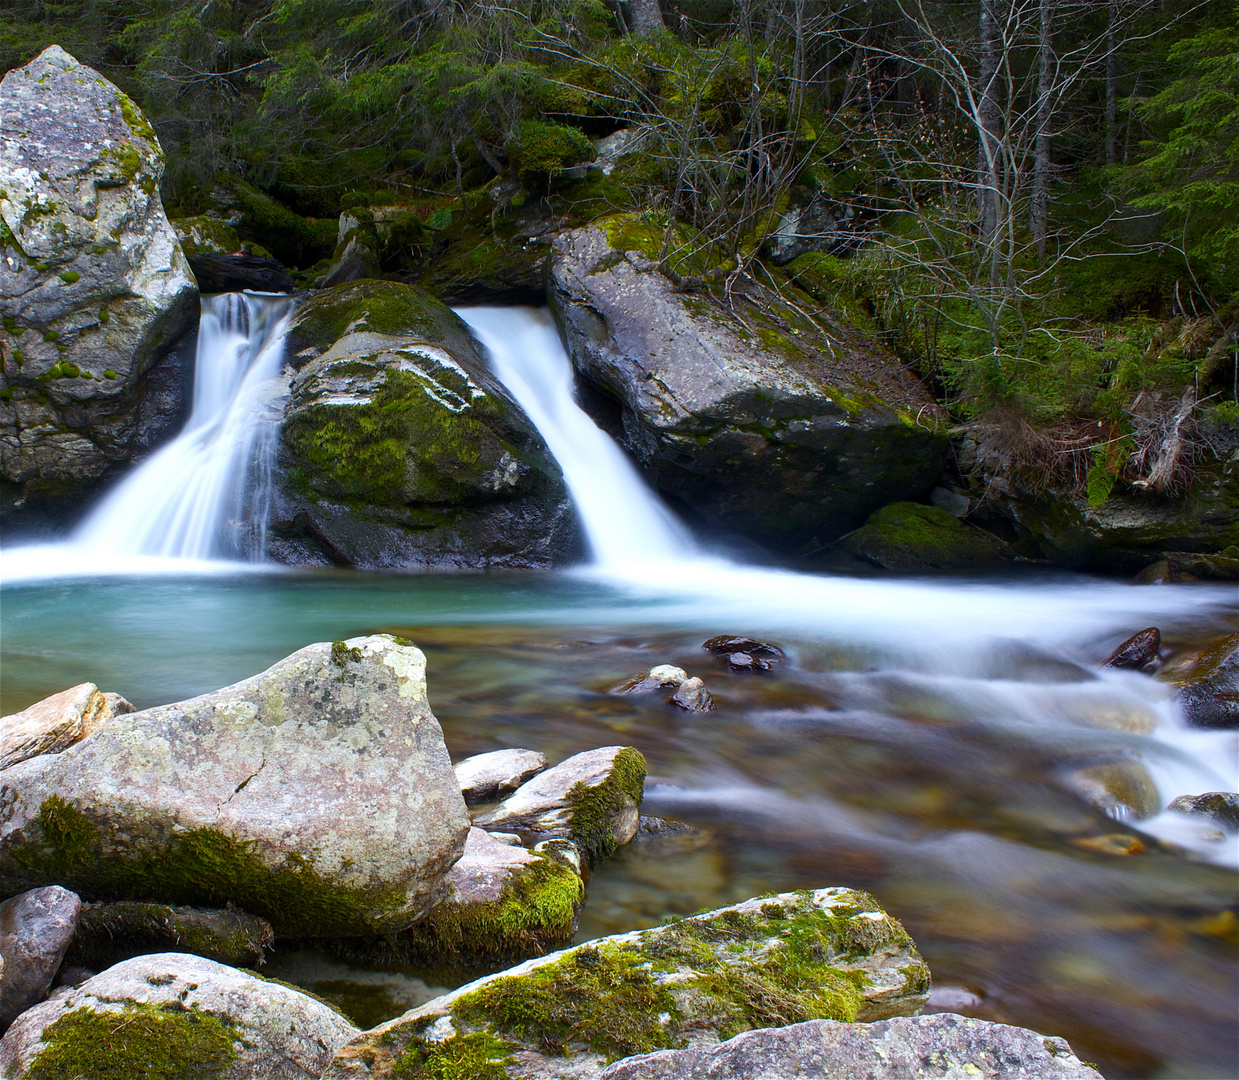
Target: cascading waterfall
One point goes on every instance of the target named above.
(625, 522)
(204, 495)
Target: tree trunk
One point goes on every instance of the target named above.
(644, 17)
(1045, 111)
(988, 121)
(1112, 93)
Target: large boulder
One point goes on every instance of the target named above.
(35, 930)
(912, 538)
(945, 1045)
(761, 422)
(827, 954)
(317, 794)
(401, 448)
(94, 288)
(175, 1015)
(1209, 697)
(57, 722)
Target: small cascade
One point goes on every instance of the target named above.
(625, 522)
(204, 495)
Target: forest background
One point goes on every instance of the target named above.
(1034, 203)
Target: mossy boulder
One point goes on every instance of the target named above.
(94, 287)
(910, 537)
(1209, 694)
(754, 417)
(401, 448)
(175, 1016)
(318, 795)
(825, 954)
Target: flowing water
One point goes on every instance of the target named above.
(925, 740)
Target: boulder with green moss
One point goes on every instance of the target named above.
(94, 288)
(175, 1015)
(592, 798)
(400, 448)
(827, 954)
(318, 795)
(221, 263)
(910, 537)
(1209, 685)
(737, 405)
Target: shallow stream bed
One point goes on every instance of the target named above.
(924, 741)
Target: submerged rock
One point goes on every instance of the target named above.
(109, 933)
(1221, 806)
(317, 794)
(486, 776)
(35, 930)
(908, 537)
(692, 696)
(944, 1045)
(1119, 789)
(503, 903)
(175, 1015)
(591, 799)
(401, 448)
(94, 288)
(57, 722)
(657, 678)
(1137, 652)
(826, 954)
(1209, 696)
(724, 645)
(761, 422)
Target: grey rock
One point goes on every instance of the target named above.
(591, 798)
(952, 502)
(909, 537)
(72, 975)
(1221, 806)
(945, 1045)
(356, 256)
(402, 449)
(318, 795)
(692, 696)
(657, 678)
(109, 933)
(742, 661)
(1119, 789)
(57, 722)
(1137, 652)
(674, 985)
(485, 776)
(765, 424)
(35, 930)
(1209, 696)
(657, 828)
(277, 1033)
(94, 288)
(725, 644)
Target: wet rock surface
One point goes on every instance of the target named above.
(172, 1014)
(692, 696)
(724, 645)
(591, 798)
(318, 794)
(1138, 652)
(1220, 806)
(400, 448)
(830, 953)
(486, 776)
(109, 933)
(944, 1045)
(1209, 697)
(94, 288)
(908, 537)
(57, 722)
(35, 930)
(769, 426)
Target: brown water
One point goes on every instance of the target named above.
(941, 785)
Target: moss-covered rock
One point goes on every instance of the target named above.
(910, 537)
(175, 1017)
(1209, 697)
(401, 448)
(761, 420)
(826, 954)
(318, 795)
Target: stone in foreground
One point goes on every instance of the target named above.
(175, 1015)
(318, 795)
(1137, 652)
(35, 930)
(945, 1046)
(1210, 694)
(57, 722)
(826, 954)
(592, 799)
(93, 285)
(1221, 806)
(486, 776)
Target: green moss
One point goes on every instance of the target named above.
(381, 307)
(593, 808)
(342, 655)
(70, 277)
(201, 867)
(908, 536)
(477, 1056)
(632, 232)
(138, 123)
(535, 912)
(105, 316)
(109, 374)
(540, 149)
(166, 1042)
(206, 235)
(51, 335)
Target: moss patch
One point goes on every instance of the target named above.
(166, 1042)
(201, 867)
(593, 808)
(910, 537)
(477, 1056)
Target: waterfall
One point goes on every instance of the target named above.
(204, 495)
(625, 522)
